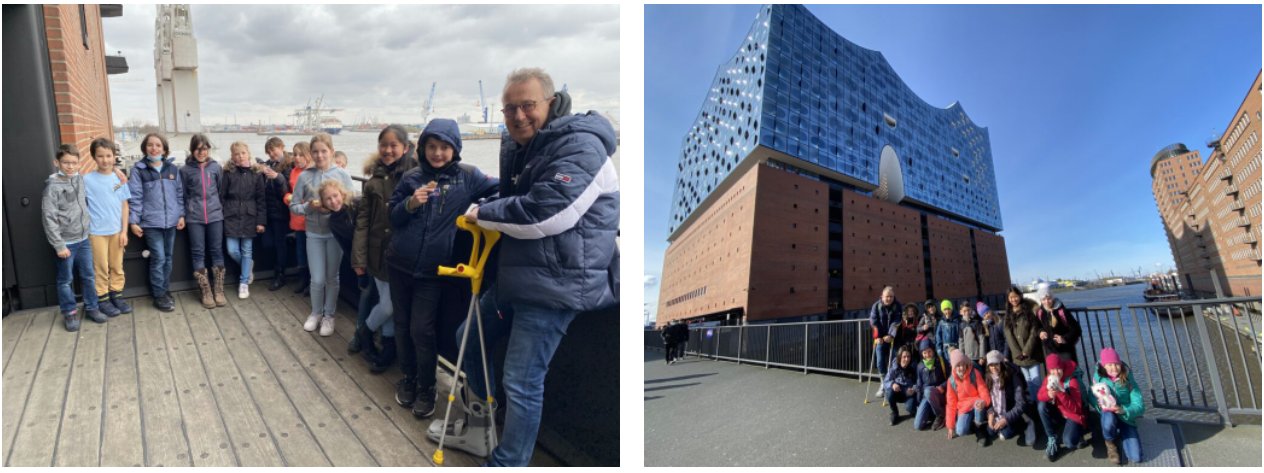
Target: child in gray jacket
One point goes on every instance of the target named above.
(65, 210)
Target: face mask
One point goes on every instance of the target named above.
(153, 159)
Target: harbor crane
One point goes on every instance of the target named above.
(482, 104)
(428, 107)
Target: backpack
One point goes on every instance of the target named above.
(953, 379)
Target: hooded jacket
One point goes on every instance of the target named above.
(298, 222)
(245, 201)
(274, 192)
(305, 192)
(373, 221)
(963, 391)
(560, 218)
(903, 333)
(425, 235)
(927, 323)
(1069, 402)
(64, 207)
(1022, 335)
(881, 317)
(995, 331)
(1059, 321)
(1127, 394)
(973, 342)
(157, 195)
(202, 186)
(905, 377)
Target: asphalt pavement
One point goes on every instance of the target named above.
(700, 412)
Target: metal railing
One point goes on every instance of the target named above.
(1201, 356)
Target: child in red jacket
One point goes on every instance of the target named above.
(968, 398)
(1060, 406)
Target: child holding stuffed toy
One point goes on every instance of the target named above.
(1119, 402)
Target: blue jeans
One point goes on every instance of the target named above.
(1010, 430)
(883, 353)
(1051, 417)
(534, 334)
(161, 243)
(380, 317)
(241, 250)
(1130, 439)
(966, 418)
(910, 401)
(206, 238)
(81, 257)
(932, 404)
(325, 255)
(1032, 375)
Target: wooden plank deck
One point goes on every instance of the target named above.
(241, 385)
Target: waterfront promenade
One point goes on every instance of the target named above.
(700, 412)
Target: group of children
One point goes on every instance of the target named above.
(992, 382)
(306, 192)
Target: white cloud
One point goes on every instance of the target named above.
(651, 280)
(260, 62)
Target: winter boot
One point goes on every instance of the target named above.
(938, 424)
(96, 315)
(981, 436)
(386, 357)
(1112, 453)
(895, 417)
(107, 307)
(204, 285)
(469, 428)
(116, 297)
(217, 287)
(1051, 449)
(364, 343)
(304, 280)
(278, 282)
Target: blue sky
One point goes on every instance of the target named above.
(1077, 99)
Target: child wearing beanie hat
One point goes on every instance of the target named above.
(968, 398)
(948, 333)
(931, 378)
(1060, 406)
(1119, 422)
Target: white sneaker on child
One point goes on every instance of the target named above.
(243, 291)
(312, 321)
(327, 326)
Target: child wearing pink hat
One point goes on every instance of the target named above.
(968, 398)
(1120, 420)
(1060, 406)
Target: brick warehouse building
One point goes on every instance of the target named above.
(813, 176)
(56, 92)
(1211, 210)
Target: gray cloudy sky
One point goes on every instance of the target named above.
(263, 62)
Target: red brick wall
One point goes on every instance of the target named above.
(715, 253)
(993, 262)
(790, 246)
(951, 263)
(80, 87)
(882, 246)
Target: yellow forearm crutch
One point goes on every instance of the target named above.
(474, 272)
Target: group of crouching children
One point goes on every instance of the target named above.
(992, 381)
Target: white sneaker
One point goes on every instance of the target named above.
(312, 320)
(880, 393)
(327, 326)
(243, 291)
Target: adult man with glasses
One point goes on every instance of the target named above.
(559, 213)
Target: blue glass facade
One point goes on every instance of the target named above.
(797, 87)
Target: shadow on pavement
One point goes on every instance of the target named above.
(678, 378)
(674, 386)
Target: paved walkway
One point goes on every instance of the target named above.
(709, 413)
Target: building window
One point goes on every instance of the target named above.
(83, 24)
